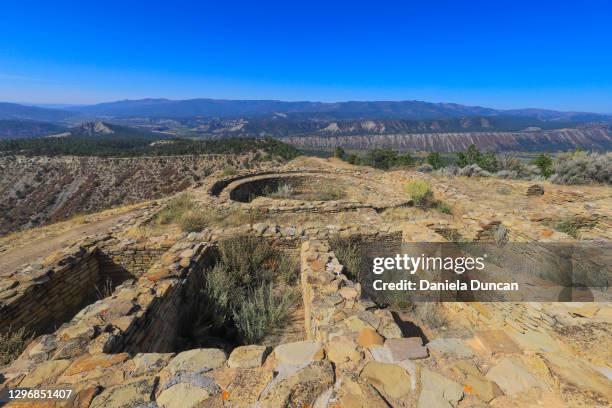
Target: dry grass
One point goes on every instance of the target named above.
(282, 191)
(403, 214)
(149, 230)
(104, 290)
(23, 237)
(12, 344)
(187, 215)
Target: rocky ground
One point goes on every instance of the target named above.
(353, 354)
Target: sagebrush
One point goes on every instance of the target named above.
(583, 168)
(248, 294)
(349, 254)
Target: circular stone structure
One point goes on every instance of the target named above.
(307, 191)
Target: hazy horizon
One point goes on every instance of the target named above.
(75, 105)
(545, 55)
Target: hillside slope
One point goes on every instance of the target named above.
(24, 112)
(40, 190)
(16, 129)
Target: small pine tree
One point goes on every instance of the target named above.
(472, 155)
(404, 160)
(435, 160)
(545, 164)
(339, 152)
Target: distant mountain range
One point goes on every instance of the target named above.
(354, 124)
(221, 108)
(13, 111)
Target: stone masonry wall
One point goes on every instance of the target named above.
(140, 316)
(41, 298)
(121, 264)
(330, 298)
(156, 331)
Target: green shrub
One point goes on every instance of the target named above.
(419, 191)
(435, 160)
(339, 152)
(545, 164)
(444, 208)
(404, 160)
(194, 221)
(352, 159)
(214, 309)
(288, 269)
(241, 296)
(349, 254)
(567, 226)
(249, 260)
(12, 344)
(228, 171)
(486, 161)
(174, 209)
(329, 193)
(260, 312)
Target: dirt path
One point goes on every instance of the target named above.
(43, 244)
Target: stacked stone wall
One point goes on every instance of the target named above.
(42, 298)
(332, 303)
(157, 329)
(121, 264)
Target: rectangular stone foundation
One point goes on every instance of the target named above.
(42, 298)
(53, 296)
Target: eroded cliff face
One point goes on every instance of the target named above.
(41, 190)
(590, 138)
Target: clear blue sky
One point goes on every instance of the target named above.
(505, 54)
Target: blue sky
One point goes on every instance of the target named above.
(503, 54)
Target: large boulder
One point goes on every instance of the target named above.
(299, 353)
(407, 348)
(130, 394)
(474, 382)
(449, 347)
(342, 349)
(368, 337)
(247, 356)
(438, 391)
(183, 395)
(301, 388)
(513, 377)
(196, 360)
(390, 379)
(355, 393)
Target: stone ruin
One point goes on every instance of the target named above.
(118, 348)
